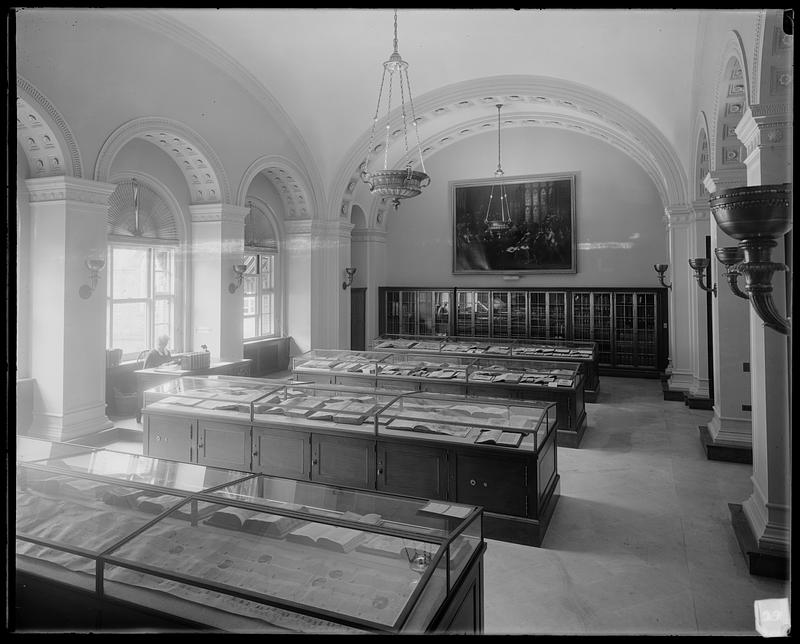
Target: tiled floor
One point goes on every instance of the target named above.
(641, 540)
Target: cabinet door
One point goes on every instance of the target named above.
(223, 445)
(413, 470)
(342, 460)
(170, 437)
(497, 483)
(282, 452)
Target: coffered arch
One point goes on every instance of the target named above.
(202, 169)
(466, 109)
(44, 135)
(290, 182)
(730, 103)
(702, 160)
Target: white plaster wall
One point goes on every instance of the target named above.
(619, 228)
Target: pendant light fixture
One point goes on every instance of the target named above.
(396, 184)
(502, 220)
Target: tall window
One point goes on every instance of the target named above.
(141, 297)
(259, 296)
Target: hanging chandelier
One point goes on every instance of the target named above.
(502, 220)
(396, 184)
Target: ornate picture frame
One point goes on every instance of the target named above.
(519, 225)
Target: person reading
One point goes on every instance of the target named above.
(160, 355)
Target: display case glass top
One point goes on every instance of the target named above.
(240, 551)
(469, 420)
(217, 396)
(323, 403)
(525, 372)
(338, 361)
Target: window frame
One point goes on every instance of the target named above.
(152, 297)
(254, 275)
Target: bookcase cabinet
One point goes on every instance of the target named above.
(629, 325)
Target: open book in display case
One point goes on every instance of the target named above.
(234, 551)
(478, 374)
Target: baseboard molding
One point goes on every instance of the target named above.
(720, 452)
(699, 402)
(673, 394)
(763, 564)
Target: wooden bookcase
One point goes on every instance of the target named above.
(629, 325)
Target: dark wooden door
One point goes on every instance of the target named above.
(413, 470)
(358, 319)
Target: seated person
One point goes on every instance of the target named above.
(160, 355)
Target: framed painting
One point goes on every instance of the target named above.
(514, 225)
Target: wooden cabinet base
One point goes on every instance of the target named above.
(526, 532)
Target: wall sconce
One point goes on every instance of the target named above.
(731, 257)
(95, 265)
(699, 266)
(350, 274)
(757, 216)
(239, 269)
(661, 269)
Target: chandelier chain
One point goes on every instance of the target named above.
(414, 121)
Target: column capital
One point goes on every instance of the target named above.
(717, 180)
(209, 212)
(63, 188)
(765, 125)
(369, 235)
(678, 215)
(701, 209)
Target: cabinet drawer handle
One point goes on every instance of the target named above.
(255, 452)
(314, 462)
(472, 482)
(380, 470)
(485, 484)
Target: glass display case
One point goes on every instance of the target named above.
(243, 552)
(584, 353)
(501, 424)
(526, 373)
(210, 396)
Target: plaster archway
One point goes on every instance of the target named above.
(44, 135)
(290, 182)
(464, 109)
(202, 169)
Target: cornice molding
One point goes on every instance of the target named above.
(72, 189)
(218, 212)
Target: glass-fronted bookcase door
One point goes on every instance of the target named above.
(420, 311)
(635, 331)
(592, 321)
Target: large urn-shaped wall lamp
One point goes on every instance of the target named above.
(238, 270)
(699, 266)
(730, 257)
(661, 269)
(757, 216)
(350, 273)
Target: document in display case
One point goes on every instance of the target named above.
(267, 554)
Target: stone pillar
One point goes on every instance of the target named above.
(728, 435)
(297, 284)
(330, 303)
(699, 395)
(766, 133)
(371, 245)
(217, 245)
(68, 331)
(678, 219)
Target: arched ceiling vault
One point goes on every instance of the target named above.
(456, 112)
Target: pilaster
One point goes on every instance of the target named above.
(217, 245)
(699, 391)
(679, 220)
(372, 246)
(68, 224)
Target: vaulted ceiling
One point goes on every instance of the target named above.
(616, 74)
